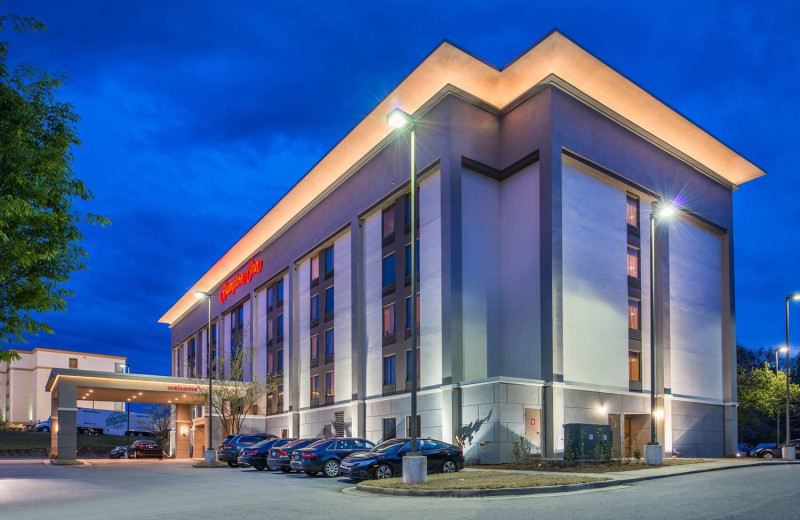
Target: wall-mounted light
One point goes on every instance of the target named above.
(659, 414)
(601, 408)
(184, 431)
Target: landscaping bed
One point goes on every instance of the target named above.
(585, 466)
(481, 480)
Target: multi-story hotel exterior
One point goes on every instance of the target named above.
(23, 397)
(536, 188)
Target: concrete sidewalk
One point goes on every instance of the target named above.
(636, 475)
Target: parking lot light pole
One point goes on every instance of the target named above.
(653, 451)
(777, 414)
(414, 464)
(211, 453)
(788, 452)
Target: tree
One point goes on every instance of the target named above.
(39, 226)
(761, 397)
(236, 391)
(162, 422)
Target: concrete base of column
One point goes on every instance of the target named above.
(653, 454)
(789, 452)
(415, 469)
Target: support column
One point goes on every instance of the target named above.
(67, 423)
(53, 425)
(183, 424)
(554, 421)
(451, 414)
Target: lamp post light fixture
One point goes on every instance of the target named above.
(211, 453)
(653, 451)
(414, 464)
(788, 453)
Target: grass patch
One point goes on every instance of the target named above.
(27, 440)
(210, 465)
(599, 467)
(482, 480)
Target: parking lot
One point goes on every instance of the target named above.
(159, 489)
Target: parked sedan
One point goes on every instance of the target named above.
(280, 458)
(773, 452)
(140, 449)
(229, 451)
(743, 449)
(118, 452)
(386, 459)
(325, 456)
(256, 455)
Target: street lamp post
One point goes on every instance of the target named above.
(777, 414)
(414, 464)
(653, 453)
(787, 451)
(210, 454)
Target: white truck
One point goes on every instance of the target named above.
(108, 422)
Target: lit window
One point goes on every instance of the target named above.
(634, 366)
(315, 307)
(328, 384)
(634, 312)
(389, 363)
(315, 268)
(315, 346)
(270, 333)
(314, 387)
(389, 320)
(329, 259)
(633, 262)
(329, 300)
(329, 342)
(388, 222)
(73, 362)
(632, 205)
(388, 270)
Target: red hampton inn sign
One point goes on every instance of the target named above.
(239, 279)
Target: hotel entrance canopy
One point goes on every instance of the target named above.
(67, 386)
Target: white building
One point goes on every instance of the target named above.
(23, 398)
(536, 188)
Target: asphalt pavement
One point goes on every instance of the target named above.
(174, 489)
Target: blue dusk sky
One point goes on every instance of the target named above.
(198, 116)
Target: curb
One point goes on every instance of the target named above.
(479, 493)
(66, 463)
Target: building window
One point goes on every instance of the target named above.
(270, 365)
(408, 312)
(315, 268)
(389, 429)
(315, 346)
(632, 205)
(389, 320)
(191, 354)
(270, 297)
(408, 259)
(329, 260)
(633, 262)
(73, 362)
(328, 384)
(279, 325)
(388, 222)
(315, 388)
(634, 313)
(279, 290)
(388, 270)
(407, 216)
(270, 331)
(315, 307)
(328, 300)
(409, 365)
(329, 342)
(389, 366)
(634, 366)
(408, 426)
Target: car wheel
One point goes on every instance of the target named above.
(383, 471)
(46, 429)
(233, 464)
(286, 470)
(449, 467)
(331, 469)
(768, 455)
(311, 473)
(259, 467)
(271, 468)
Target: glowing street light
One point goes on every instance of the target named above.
(398, 119)
(788, 452)
(211, 454)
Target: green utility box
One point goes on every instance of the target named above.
(587, 441)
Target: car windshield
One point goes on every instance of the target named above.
(388, 447)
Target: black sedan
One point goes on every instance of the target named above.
(229, 452)
(386, 459)
(118, 452)
(256, 455)
(142, 449)
(325, 456)
(280, 458)
(773, 452)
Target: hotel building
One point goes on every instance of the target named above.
(23, 398)
(536, 186)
